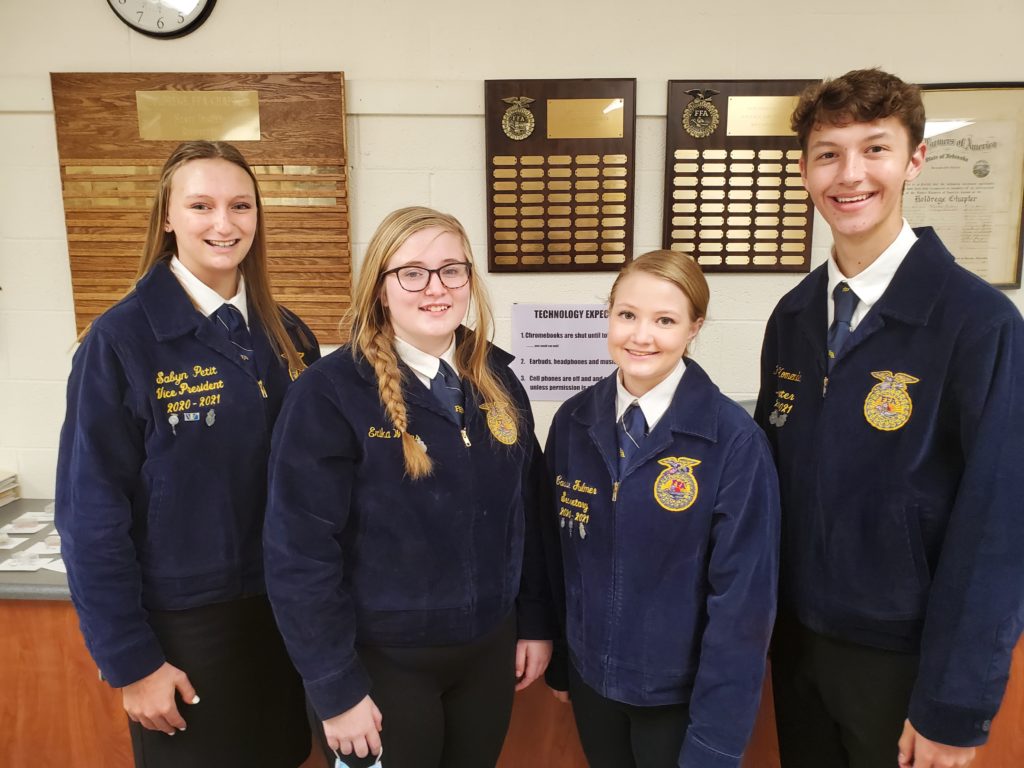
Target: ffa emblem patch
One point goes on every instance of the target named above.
(777, 419)
(675, 489)
(211, 417)
(700, 117)
(501, 423)
(887, 406)
(518, 121)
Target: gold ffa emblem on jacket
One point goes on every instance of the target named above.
(501, 423)
(675, 489)
(888, 405)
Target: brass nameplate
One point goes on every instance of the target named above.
(760, 115)
(189, 115)
(585, 118)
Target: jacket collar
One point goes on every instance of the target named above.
(910, 298)
(497, 357)
(172, 315)
(693, 411)
(166, 304)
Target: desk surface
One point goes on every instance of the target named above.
(30, 585)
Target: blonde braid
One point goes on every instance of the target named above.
(389, 386)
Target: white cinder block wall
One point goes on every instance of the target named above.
(415, 76)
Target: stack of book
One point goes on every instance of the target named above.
(8, 486)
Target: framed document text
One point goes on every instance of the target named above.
(972, 186)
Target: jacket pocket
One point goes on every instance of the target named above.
(876, 562)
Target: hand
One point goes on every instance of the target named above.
(150, 701)
(532, 657)
(355, 730)
(918, 752)
(562, 696)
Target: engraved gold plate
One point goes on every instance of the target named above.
(190, 115)
(760, 115)
(585, 118)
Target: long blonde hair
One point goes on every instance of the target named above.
(161, 245)
(372, 335)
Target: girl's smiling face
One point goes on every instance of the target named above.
(650, 326)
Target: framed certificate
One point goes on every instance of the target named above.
(971, 189)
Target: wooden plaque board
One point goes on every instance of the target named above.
(109, 175)
(734, 198)
(560, 189)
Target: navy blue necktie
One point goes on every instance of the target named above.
(447, 388)
(845, 302)
(632, 431)
(230, 323)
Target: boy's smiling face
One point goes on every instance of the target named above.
(855, 174)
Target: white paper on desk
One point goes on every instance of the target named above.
(12, 542)
(23, 526)
(42, 548)
(12, 564)
(39, 517)
(56, 565)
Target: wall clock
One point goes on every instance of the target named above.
(162, 18)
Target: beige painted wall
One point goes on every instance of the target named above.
(415, 104)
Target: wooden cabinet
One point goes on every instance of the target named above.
(56, 712)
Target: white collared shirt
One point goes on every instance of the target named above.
(870, 284)
(655, 402)
(423, 364)
(203, 296)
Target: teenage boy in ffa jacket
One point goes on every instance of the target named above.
(891, 391)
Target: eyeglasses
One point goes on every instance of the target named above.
(415, 279)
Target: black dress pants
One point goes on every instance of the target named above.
(443, 706)
(838, 704)
(617, 735)
(252, 707)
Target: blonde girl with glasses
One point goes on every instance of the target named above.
(403, 546)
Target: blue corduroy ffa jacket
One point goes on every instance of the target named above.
(670, 571)
(161, 474)
(902, 482)
(359, 553)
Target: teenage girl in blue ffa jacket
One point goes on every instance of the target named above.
(668, 508)
(402, 545)
(162, 472)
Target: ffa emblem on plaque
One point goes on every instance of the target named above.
(777, 419)
(887, 406)
(518, 121)
(501, 423)
(700, 118)
(675, 489)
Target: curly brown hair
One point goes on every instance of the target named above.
(860, 96)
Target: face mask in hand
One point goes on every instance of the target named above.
(339, 763)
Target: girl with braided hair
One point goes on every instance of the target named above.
(403, 550)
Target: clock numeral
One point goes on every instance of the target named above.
(140, 14)
(121, 2)
(181, 18)
(160, 23)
